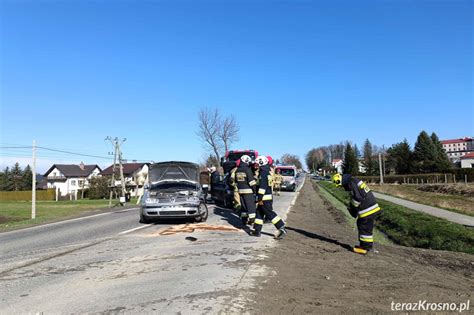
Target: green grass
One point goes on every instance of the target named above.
(17, 214)
(416, 229)
(455, 203)
(379, 237)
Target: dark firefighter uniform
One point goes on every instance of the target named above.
(364, 207)
(265, 202)
(246, 185)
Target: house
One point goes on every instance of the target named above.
(456, 148)
(337, 164)
(467, 160)
(70, 178)
(134, 174)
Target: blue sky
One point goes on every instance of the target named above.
(296, 74)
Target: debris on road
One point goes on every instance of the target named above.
(190, 228)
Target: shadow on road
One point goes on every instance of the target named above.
(319, 237)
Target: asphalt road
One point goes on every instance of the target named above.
(110, 263)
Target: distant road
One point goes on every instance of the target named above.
(437, 212)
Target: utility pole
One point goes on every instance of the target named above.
(33, 184)
(380, 169)
(117, 153)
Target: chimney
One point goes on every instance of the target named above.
(81, 166)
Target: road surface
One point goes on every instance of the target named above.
(111, 263)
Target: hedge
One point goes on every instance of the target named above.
(408, 227)
(25, 195)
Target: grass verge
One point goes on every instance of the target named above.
(415, 229)
(379, 237)
(459, 204)
(17, 214)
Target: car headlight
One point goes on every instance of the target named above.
(193, 199)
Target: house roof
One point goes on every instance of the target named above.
(73, 170)
(461, 140)
(468, 156)
(128, 168)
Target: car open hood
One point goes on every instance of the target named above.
(173, 171)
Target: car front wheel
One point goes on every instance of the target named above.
(204, 213)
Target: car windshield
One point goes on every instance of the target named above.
(234, 156)
(287, 172)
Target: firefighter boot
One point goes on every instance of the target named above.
(280, 233)
(360, 250)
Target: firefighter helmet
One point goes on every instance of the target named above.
(270, 160)
(246, 159)
(262, 160)
(337, 180)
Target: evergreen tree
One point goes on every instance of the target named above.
(15, 182)
(369, 163)
(27, 178)
(4, 179)
(350, 164)
(400, 158)
(424, 153)
(357, 151)
(442, 162)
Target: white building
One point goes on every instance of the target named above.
(456, 148)
(135, 176)
(70, 178)
(467, 160)
(337, 164)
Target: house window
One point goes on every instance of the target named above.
(73, 182)
(80, 182)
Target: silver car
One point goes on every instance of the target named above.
(173, 191)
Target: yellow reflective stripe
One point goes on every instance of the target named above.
(261, 191)
(245, 191)
(368, 212)
(252, 215)
(355, 203)
(244, 215)
(276, 219)
(252, 183)
(366, 238)
(259, 221)
(267, 197)
(360, 183)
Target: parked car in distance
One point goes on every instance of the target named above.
(289, 177)
(173, 191)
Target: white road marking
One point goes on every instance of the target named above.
(66, 221)
(134, 229)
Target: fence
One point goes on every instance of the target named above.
(25, 195)
(420, 179)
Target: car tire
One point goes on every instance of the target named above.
(294, 187)
(205, 213)
(144, 219)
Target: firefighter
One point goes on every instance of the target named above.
(233, 185)
(363, 206)
(265, 202)
(246, 186)
(278, 179)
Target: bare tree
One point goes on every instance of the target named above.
(209, 126)
(229, 131)
(215, 132)
(291, 159)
